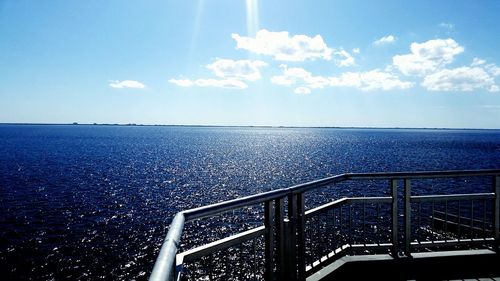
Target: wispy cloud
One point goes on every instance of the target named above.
(389, 39)
(343, 58)
(126, 84)
(446, 25)
(237, 69)
(477, 62)
(219, 83)
(302, 90)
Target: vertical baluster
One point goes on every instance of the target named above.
(341, 224)
(254, 259)
(419, 232)
(210, 270)
(484, 218)
(329, 231)
(226, 265)
(269, 240)
(280, 257)
(301, 236)
(472, 219)
(407, 184)
(351, 238)
(459, 220)
(445, 220)
(292, 238)
(334, 232)
(496, 212)
(379, 227)
(395, 225)
(364, 224)
(317, 239)
(432, 222)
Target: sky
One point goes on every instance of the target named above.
(235, 62)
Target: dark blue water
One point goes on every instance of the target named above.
(93, 202)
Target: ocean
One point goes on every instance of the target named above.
(87, 202)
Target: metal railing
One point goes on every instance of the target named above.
(297, 242)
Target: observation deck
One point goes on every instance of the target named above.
(407, 227)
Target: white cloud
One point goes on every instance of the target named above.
(238, 69)
(427, 57)
(493, 69)
(370, 80)
(126, 84)
(477, 62)
(366, 81)
(302, 90)
(463, 79)
(219, 83)
(343, 58)
(389, 39)
(295, 75)
(356, 50)
(232, 73)
(284, 47)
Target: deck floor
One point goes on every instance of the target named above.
(453, 265)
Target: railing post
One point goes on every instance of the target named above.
(291, 237)
(496, 211)
(269, 243)
(395, 218)
(280, 238)
(407, 216)
(301, 237)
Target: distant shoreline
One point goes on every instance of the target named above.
(237, 126)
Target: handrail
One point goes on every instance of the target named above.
(164, 267)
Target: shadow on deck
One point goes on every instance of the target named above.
(470, 264)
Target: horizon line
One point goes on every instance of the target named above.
(243, 126)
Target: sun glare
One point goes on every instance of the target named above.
(252, 17)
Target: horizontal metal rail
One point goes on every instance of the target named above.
(220, 244)
(344, 201)
(452, 197)
(164, 268)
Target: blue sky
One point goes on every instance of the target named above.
(281, 63)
